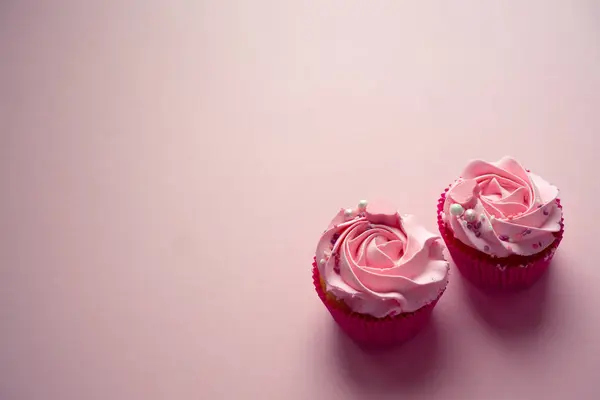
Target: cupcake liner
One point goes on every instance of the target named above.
(371, 331)
(483, 270)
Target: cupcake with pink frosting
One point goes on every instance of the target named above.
(501, 223)
(379, 274)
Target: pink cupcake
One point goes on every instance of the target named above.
(501, 224)
(379, 274)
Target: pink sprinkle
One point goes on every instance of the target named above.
(535, 245)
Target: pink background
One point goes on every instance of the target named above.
(166, 169)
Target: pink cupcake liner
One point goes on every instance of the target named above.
(371, 331)
(483, 270)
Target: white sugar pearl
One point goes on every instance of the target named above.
(362, 205)
(457, 210)
(470, 215)
(348, 212)
(322, 262)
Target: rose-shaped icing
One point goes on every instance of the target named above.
(380, 263)
(502, 209)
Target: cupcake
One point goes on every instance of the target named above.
(501, 224)
(379, 274)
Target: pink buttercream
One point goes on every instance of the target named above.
(515, 211)
(380, 263)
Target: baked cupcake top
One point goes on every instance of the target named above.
(380, 263)
(501, 209)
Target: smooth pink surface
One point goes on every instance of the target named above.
(167, 168)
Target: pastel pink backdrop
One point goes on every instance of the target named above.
(166, 169)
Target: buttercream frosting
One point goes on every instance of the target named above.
(502, 209)
(380, 263)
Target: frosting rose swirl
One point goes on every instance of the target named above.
(380, 263)
(502, 209)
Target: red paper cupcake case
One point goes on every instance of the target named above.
(514, 272)
(371, 331)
